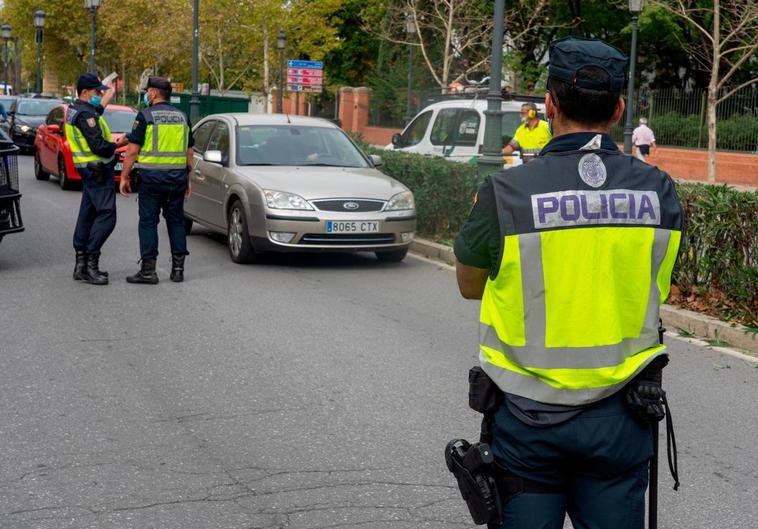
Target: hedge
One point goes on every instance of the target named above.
(719, 250)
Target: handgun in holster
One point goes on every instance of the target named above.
(98, 171)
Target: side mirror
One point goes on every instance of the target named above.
(54, 129)
(213, 157)
(397, 140)
(376, 160)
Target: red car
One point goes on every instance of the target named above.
(52, 155)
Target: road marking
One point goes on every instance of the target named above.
(723, 350)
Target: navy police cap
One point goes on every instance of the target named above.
(160, 83)
(88, 81)
(570, 54)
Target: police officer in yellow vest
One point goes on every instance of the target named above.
(571, 256)
(89, 139)
(161, 145)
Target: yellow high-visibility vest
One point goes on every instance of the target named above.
(166, 140)
(589, 242)
(77, 143)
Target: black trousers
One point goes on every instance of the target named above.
(97, 212)
(154, 198)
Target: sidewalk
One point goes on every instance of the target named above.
(685, 322)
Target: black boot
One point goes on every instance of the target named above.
(97, 267)
(92, 273)
(146, 274)
(177, 268)
(81, 266)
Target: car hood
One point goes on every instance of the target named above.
(32, 121)
(325, 182)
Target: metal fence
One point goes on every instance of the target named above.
(677, 117)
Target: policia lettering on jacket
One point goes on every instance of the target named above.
(571, 256)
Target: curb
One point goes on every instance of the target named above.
(675, 318)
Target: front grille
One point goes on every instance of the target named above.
(9, 171)
(354, 239)
(339, 205)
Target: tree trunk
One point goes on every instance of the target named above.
(266, 72)
(711, 120)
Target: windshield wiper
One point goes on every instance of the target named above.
(254, 164)
(326, 165)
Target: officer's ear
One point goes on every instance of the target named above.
(619, 111)
(549, 106)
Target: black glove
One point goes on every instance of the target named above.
(645, 395)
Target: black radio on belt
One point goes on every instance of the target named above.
(473, 466)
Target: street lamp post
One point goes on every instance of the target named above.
(92, 5)
(281, 42)
(195, 99)
(5, 32)
(410, 30)
(635, 7)
(39, 23)
(491, 159)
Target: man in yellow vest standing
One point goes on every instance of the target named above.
(161, 145)
(572, 256)
(89, 139)
(532, 135)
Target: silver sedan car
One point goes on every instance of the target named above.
(273, 182)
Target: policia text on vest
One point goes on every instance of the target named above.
(586, 241)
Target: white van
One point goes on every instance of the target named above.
(454, 129)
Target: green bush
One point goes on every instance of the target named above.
(719, 250)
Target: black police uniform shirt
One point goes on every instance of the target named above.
(478, 245)
(86, 120)
(157, 176)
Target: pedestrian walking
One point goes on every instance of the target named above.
(160, 144)
(643, 138)
(93, 152)
(572, 255)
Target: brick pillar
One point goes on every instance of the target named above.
(361, 101)
(347, 104)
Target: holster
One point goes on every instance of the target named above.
(98, 171)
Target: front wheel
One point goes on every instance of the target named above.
(238, 237)
(39, 172)
(392, 256)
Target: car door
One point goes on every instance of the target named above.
(412, 138)
(196, 206)
(442, 135)
(50, 143)
(213, 174)
(465, 135)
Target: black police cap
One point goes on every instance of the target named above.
(160, 83)
(568, 55)
(88, 81)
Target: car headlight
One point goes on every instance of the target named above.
(400, 201)
(23, 128)
(282, 200)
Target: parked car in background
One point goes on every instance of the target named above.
(52, 154)
(26, 114)
(7, 101)
(272, 182)
(454, 129)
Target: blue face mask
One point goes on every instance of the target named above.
(146, 99)
(95, 100)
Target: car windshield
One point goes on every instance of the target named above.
(37, 107)
(296, 145)
(119, 120)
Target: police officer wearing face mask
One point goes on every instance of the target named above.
(160, 145)
(571, 256)
(93, 151)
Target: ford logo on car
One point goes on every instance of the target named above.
(351, 205)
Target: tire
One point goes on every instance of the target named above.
(63, 178)
(237, 236)
(39, 172)
(392, 256)
(188, 225)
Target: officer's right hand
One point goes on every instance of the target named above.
(125, 187)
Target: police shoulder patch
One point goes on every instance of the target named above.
(91, 122)
(135, 124)
(592, 170)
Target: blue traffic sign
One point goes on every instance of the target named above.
(314, 65)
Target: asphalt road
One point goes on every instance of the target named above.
(303, 392)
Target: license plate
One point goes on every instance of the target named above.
(352, 226)
(119, 166)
